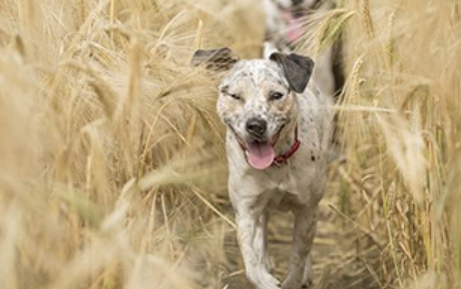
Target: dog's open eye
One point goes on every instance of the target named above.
(275, 95)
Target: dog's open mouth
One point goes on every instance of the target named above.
(295, 24)
(260, 154)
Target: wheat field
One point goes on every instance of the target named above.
(112, 164)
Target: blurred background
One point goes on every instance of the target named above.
(112, 164)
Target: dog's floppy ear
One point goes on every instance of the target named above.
(221, 59)
(297, 69)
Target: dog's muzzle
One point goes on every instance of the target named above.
(256, 127)
(258, 147)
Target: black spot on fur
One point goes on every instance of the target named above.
(215, 59)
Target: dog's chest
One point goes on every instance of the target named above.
(297, 182)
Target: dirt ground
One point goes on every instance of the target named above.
(344, 255)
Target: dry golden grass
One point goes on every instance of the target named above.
(110, 148)
(112, 172)
(400, 120)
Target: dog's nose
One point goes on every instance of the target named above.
(256, 126)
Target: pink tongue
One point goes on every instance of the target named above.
(295, 26)
(260, 155)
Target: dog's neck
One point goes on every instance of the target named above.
(287, 139)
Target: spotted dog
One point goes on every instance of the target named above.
(287, 22)
(278, 134)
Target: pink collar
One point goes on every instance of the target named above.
(283, 159)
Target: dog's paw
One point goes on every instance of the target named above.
(293, 281)
(269, 281)
(291, 285)
(307, 285)
(262, 279)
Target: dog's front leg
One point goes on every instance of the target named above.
(303, 236)
(251, 223)
(307, 276)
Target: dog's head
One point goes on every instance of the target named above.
(287, 18)
(258, 98)
(293, 4)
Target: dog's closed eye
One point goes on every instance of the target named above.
(235, 96)
(225, 90)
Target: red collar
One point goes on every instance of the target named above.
(283, 159)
